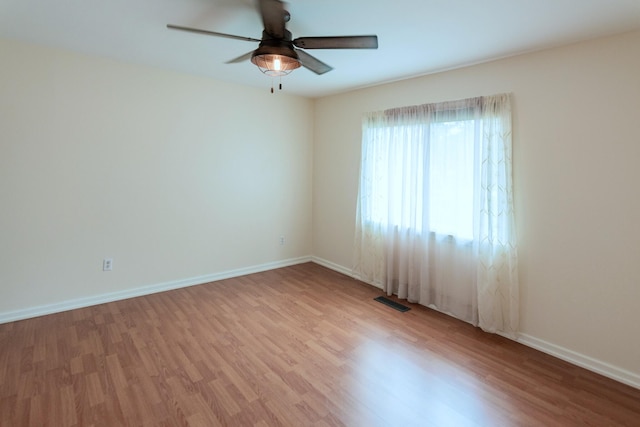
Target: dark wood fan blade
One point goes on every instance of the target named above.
(240, 58)
(312, 63)
(273, 17)
(338, 42)
(211, 33)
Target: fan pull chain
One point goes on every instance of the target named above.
(279, 85)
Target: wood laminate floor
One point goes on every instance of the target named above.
(297, 346)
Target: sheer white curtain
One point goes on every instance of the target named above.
(434, 220)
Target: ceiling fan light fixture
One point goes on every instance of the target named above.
(275, 65)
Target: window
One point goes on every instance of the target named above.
(434, 220)
(421, 175)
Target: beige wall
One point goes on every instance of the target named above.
(172, 176)
(576, 153)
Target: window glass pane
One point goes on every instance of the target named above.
(451, 174)
(422, 177)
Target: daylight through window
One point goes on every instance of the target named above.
(421, 176)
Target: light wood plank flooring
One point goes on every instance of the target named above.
(298, 346)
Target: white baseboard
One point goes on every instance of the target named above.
(144, 290)
(333, 266)
(594, 365)
(615, 373)
(340, 269)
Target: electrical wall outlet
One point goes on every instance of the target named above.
(107, 264)
(281, 240)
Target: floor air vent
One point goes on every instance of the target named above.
(392, 304)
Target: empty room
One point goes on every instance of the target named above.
(319, 213)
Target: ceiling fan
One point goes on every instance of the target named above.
(278, 54)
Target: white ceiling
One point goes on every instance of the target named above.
(416, 37)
